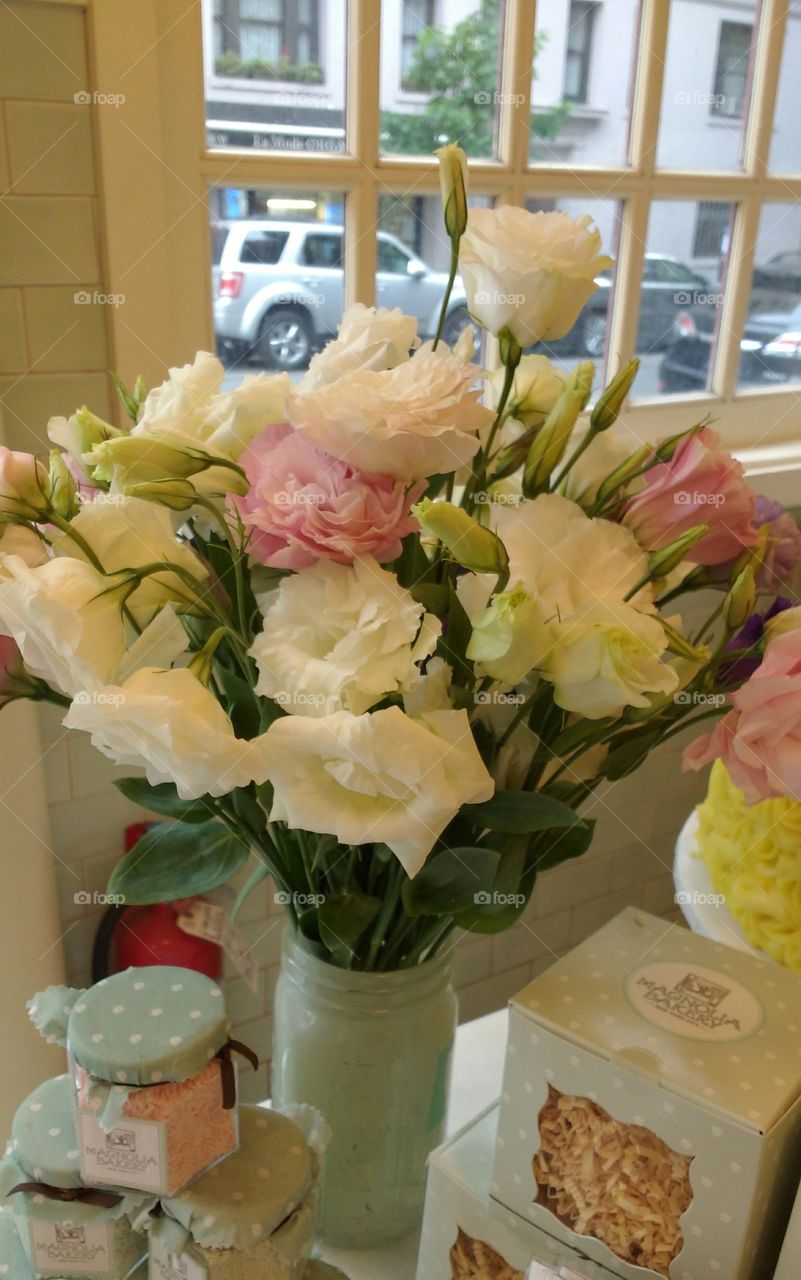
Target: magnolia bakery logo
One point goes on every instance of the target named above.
(118, 1153)
(69, 1243)
(698, 1004)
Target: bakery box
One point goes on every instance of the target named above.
(650, 1113)
(462, 1240)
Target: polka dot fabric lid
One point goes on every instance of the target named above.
(33, 1204)
(147, 1026)
(14, 1265)
(43, 1140)
(246, 1197)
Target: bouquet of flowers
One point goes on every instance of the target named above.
(386, 628)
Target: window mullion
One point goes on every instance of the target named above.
(515, 105)
(767, 70)
(647, 96)
(363, 133)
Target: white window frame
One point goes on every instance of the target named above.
(168, 141)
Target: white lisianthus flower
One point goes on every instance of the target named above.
(190, 409)
(367, 338)
(530, 273)
(432, 692)
(128, 533)
(380, 777)
(170, 723)
(510, 637)
(606, 658)
(67, 623)
(567, 560)
(536, 387)
(340, 637)
(19, 540)
(421, 418)
(605, 453)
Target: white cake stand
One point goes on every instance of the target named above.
(696, 896)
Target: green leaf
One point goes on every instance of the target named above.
(164, 799)
(517, 812)
(629, 751)
(342, 919)
(433, 596)
(450, 881)
(260, 872)
(455, 639)
(552, 850)
(248, 810)
(178, 861)
(243, 704)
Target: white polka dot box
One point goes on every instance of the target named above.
(155, 1081)
(463, 1238)
(651, 1106)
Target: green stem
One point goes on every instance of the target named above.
(80, 541)
(479, 479)
(388, 906)
(448, 290)
(574, 457)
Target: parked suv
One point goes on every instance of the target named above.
(278, 289)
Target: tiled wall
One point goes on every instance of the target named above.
(53, 355)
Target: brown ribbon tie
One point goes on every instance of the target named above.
(86, 1195)
(227, 1073)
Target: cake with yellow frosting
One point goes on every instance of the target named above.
(753, 855)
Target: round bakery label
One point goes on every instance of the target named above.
(693, 1002)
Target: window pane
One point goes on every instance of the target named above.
(682, 293)
(414, 256)
(440, 71)
(580, 109)
(785, 151)
(707, 84)
(770, 352)
(588, 337)
(277, 276)
(275, 74)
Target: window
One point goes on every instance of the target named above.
(265, 247)
(323, 250)
(579, 50)
(711, 229)
(731, 72)
(268, 31)
(417, 17)
(391, 258)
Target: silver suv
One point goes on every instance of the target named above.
(278, 289)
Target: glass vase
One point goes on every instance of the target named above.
(372, 1052)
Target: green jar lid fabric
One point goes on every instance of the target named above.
(143, 1026)
(14, 1264)
(33, 1204)
(43, 1138)
(246, 1197)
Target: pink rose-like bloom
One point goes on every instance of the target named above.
(783, 549)
(10, 663)
(22, 480)
(759, 741)
(304, 505)
(702, 484)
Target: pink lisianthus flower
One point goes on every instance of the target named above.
(759, 741)
(10, 665)
(701, 484)
(304, 505)
(783, 548)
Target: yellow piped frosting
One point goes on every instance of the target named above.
(753, 855)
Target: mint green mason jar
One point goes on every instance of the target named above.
(372, 1052)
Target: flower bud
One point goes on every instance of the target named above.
(622, 474)
(664, 561)
(141, 459)
(510, 636)
(676, 643)
(453, 185)
(666, 448)
(610, 402)
(62, 487)
(551, 440)
(469, 544)
(23, 485)
(581, 379)
(740, 599)
(535, 390)
(176, 494)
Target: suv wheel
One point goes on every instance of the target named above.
(593, 334)
(285, 340)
